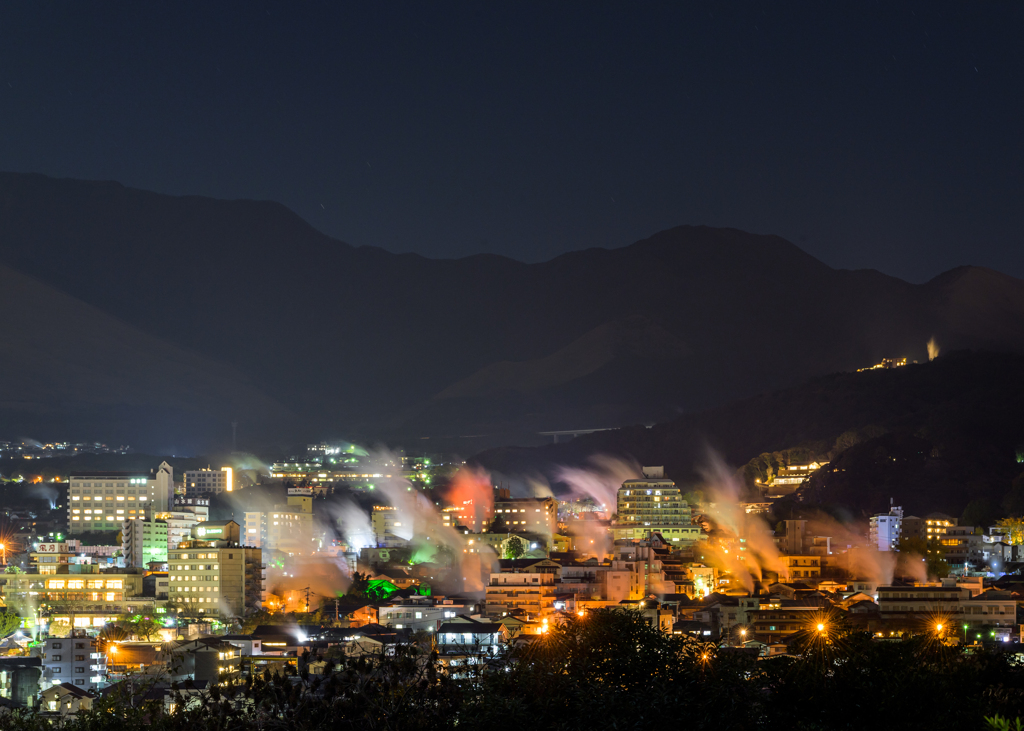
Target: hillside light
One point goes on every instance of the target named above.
(938, 627)
(821, 628)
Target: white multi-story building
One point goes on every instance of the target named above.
(388, 530)
(419, 613)
(254, 529)
(100, 501)
(885, 529)
(144, 541)
(653, 504)
(187, 513)
(77, 660)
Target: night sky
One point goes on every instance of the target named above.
(879, 135)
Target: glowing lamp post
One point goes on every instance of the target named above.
(3, 547)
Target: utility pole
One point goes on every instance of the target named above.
(307, 599)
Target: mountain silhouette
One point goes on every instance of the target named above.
(320, 339)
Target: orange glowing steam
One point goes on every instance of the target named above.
(471, 494)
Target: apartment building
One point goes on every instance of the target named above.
(254, 528)
(962, 603)
(144, 541)
(290, 526)
(534, 593)
(186, 513)
(885, 529)
(800, 568)
(213, 574)
(527, 514)
(653, 504)
(388, 528)
(77, 660)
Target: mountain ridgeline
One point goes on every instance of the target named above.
(934, 436)
(157, 320)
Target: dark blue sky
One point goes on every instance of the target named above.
(879, 135)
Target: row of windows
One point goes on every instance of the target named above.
(83, 584)
(208, 577)
(141, 498)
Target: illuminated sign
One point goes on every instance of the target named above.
(52, 548)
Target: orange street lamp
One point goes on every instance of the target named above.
(821, 628)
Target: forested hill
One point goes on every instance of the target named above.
(157, 321)
(934, 436)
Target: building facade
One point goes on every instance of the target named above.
(206, 482)
(885, 529)
(144, 541)
(653, 504)
(77, 660)
(213, 574)
(101, 501)
(533, 593)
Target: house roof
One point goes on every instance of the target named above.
(380, 633)
(476, 628)
(70, 689)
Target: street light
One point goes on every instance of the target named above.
(821, 628)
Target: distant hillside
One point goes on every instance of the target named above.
(363, 343)
(946, 432)
(74, 371)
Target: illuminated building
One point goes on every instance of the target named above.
(100, 501)
(465, 515)
(209, 659)
(76, 660)
(315, 473)
(385, 520)
(290, 527)
(800, 567)
(527, 514)
(420, 613)
(962, 546)
(254, 529)
(653, 504)
(49, 557)
(779, 621)
(212, 573)
(186, 514)
(465, 635)
(886, 364)
(144, 541)
(534, 593)
(19, 679)
(930, 528)
(208, 482)
(885, 529)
